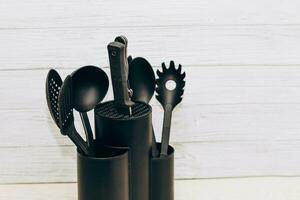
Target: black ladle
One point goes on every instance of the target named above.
(142, 82)
(90, 85)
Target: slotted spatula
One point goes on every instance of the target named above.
(66, 118)
(53, 85)
(169, 98)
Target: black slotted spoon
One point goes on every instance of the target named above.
(169, 98)
(66, 118)
(53, 85)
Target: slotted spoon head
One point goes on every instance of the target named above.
(165, 95)
(53, 86)
(66, 118)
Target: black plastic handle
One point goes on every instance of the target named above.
(79, 142)
(166, 130)
(88, 130)
(119, 68)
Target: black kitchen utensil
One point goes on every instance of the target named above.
(142, 79)
(119, 76)
(66, 118)
(122, 39)
(169, 98)
(142, 82)
(89, 86)
(129, 59)
(53, 85)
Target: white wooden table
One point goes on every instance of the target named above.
(237, 132)
(206, 189)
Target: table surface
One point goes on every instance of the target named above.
(206, 189)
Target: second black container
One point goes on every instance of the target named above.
(105, 176)
(135, 132)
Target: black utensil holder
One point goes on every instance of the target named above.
(131, 166)
(162, 176)
(105, 176)
(115, 129)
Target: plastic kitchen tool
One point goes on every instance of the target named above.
(141, 79)
(129, 59)
(169, 90)
(53, 85)
(89, 86)
(119, 76)
(122, 39)
(142, 82)
(135, 132)
(66, 118)
(105, 176)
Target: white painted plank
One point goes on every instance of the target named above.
(205, 189)
(208, 123)
(194, 46)
(79, 13)
(204, 86)
(239, 121)
(192, 160)
(220, 104)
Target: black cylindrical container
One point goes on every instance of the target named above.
(105, 176)
(115, 129)
(162, 176)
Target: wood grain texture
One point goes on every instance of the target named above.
(232, 122)
(233, 189)
(83, 13)
(193, 160)
(226, 85)
(194, 46)
(240, 111)
(220, 104)
(209, 123)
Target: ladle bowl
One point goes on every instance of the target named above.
(90, 85)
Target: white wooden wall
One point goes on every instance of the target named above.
(241, 111)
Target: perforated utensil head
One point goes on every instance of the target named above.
(141, 79)
(165, 95)
(53, 86)
(66, 119)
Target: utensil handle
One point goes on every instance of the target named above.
(79, 142)
(88, 130)
(118, 69)
(166, 131)
(155, 152)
